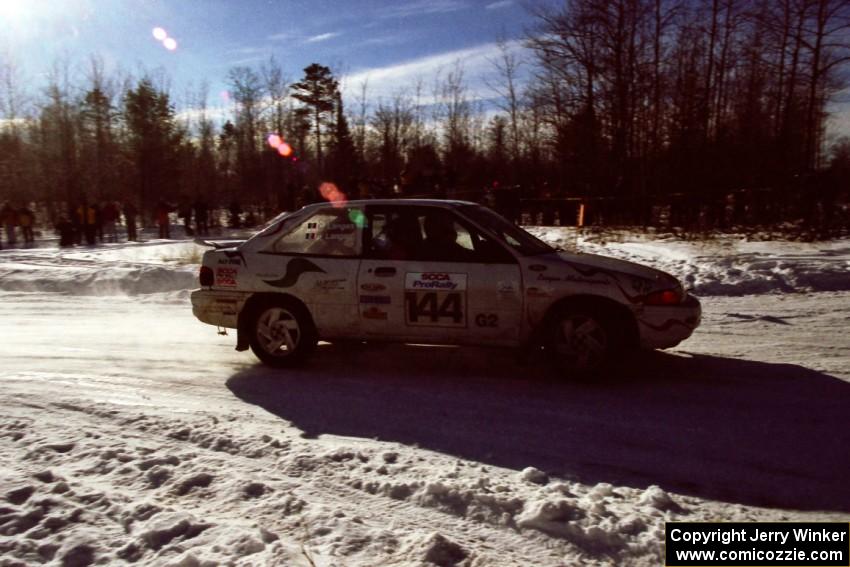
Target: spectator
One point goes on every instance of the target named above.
(90, 215)
(201, 214)
(66, 231)
(130, 214)
(27, 219)
(235, 215)
(78, 217)
(98, 222)
(184, 211)
(161, 212)
(109, 214)
(9, 217)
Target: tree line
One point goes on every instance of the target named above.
(624, 104)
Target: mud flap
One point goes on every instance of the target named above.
(242, 340)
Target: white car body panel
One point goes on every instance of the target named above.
(433, 301)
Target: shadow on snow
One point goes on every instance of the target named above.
(740, 431)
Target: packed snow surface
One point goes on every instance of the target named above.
(130, 433)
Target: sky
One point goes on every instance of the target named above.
(390, 42)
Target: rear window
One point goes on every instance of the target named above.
(327, 232)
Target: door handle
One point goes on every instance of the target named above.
(384, 272)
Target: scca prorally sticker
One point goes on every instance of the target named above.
(440, 281)
(435, 299)
(225, 277)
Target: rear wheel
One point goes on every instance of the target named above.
(580, 342)
(282, 333)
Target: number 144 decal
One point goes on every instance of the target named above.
(434, 308)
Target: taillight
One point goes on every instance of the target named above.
(664, 297)
(206, 276)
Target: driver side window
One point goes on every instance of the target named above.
(429, 234)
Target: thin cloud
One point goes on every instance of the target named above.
(251, 50)
(282, 36)
(499, 5)
(423, 8)
(477, 62)
(248, 60)
(387, 40)
(321, 37)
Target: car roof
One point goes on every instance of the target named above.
(444, 203)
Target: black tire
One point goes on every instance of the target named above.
(580, 342)
(282, 333)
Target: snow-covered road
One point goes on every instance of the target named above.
(131, 432)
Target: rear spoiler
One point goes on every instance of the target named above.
(217, 244)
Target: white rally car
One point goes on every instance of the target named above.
(436, 272)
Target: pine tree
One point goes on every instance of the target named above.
(153, 141)
(318, 90)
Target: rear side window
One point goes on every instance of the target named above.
(328, 232)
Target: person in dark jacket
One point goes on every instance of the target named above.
(184, 211)
(9, 217)
(66, 231)
(130, 214)
(26, 218)
(161, 212)
(109, 214)
(201, 215)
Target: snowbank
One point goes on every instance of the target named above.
(722, 266)
(727, 265)
(155, 267)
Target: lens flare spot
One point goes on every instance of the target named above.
(274, 141)
(284, 149)
(331, 193)
(159, 34)
(357, 217)
(170, 43)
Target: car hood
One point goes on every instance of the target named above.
(605, 264)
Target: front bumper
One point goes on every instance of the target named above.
(219, 308)
(665, 326)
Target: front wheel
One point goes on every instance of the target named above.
(282, 334)
(580, 342)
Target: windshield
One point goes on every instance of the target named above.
(505, 231)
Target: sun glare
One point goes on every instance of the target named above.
(12, 11)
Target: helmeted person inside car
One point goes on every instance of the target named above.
(400, 239)
(441, 240)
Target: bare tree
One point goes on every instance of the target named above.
(507, 87)
(826, 38)
(393, 123)
(246, 91)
